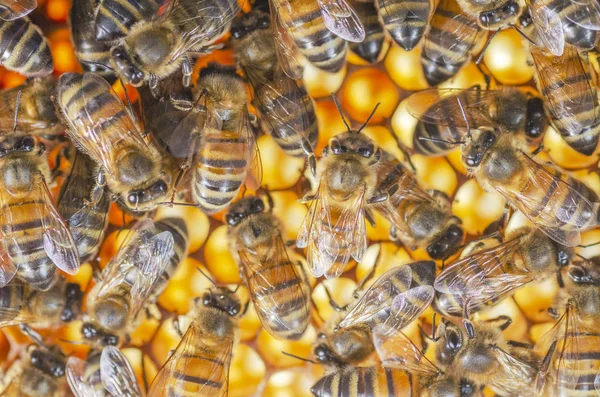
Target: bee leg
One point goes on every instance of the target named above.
(144, 375)
(502, 322)
(186, 69)
(369, 217)
(177, 327)
(545, 367)
(308, 197)
(332, 302)
(246, 306)
(405, 151)
(538, 149)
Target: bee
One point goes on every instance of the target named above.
(405, 22)
(279, 292)
(572, 346)
(21, 304)
(127, 283)
(114, 19)
(371, 48)
(140, 177)
(104, 373)
(570, 97)
(445, 115)
(92, 54)
(200, 362)
(447, 45)
(394, 300)
(15, 9)
(35, 238)
(38, 372)
(24, 48)
(84, 204)
(318, 29)
(285, 108)
(558, 204)
(156, 47)
(493, 15)
(494, 272)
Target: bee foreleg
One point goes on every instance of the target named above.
(369, 217)
(538, 149)
(332, 302)
(187, 68)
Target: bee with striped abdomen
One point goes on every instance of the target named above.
(199, 366)
(493, 14)
(134, 169)
(405, 21)
(104, 374)
(286, 110)
(36, 240)
(24, 48)
(371, 49)
(114, 19)
(15, 9)
(277, 287)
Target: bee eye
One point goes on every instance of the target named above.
(134, 198)
(453, 340)
(264, 23)
(366, 151)
(230, 220)
(489, 139)
(257, 206)
(160, 187)
(336, 148)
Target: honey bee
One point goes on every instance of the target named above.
(492, 15)
(447, 45)
(494, 272)
(34, 237)
(570, 97)
(83, 203)
(405, 22)
(24, 48)
(318, 29)
(572, 346)
(128, 282)
(92, 54)
(285, 108)
(279, 292)
(200, 362)
(15, 9)
(156, 47)
(558, 204)
(103, 374)
(114, 19)
(445, 115)
(371, 48)
(38, 372)
(133, 168)
(394, 300)
(21, 304)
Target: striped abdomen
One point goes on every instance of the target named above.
(212, 13)
(318, 44)
(580, 366)
(364, 382)
(440, 61)
(405, 21)
(114, 18)
(90, 52)
(575, 34)
(24, 48)
(221, 167)
(294, 128)
(178, 229)
(12, 300)
(371, 47)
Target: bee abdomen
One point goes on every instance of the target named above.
(194, 371)
(364, 382)
(114, 18)
(407, 32)
(24, 48)
(371, 47)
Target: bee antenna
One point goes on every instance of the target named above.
(33, 335)
(18, 103)
(339, 109)
(464, 114)
(487, 44)
(237, 287)
(97, 64)
(368, 118)
(523, 35)
(128, 100)
(171, 203)
(299, 358)
(589, 245)
(206, 276)
(424, 138)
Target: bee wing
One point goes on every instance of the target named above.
(587, 15)
(264, 283)
(116, 373)
(253, 178)
(516, 374)
(199, 357)
(379, 298)
(15, 9)
(458, 33)
(481, 278)
(409, 305)
(396, 350)
(548, 26)
(75, 374)
(565, 100)
(285, 47)
(87, 130)
(341, 19)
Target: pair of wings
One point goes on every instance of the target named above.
(332, 232)
(26, 122)
(140, 262)
(390, 302)
(15, 9)
(339, 17)
(569, 103)
(56, 238)
(195, 358)
(549, 20)
(116, 375)
(262, 289)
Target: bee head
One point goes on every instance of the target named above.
(503, 16)
(447, 243)
(223, 299)
(73, 302)
(325, 355)
(148, 198)
(243, 208)
(477, 145)
(93, 334)
(112, 313)
(48, 362)
(125, 66)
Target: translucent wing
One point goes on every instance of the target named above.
(548, 25)
(378, 299)
(408, 305)
(565, 99)
(341, 19)
(117, 375)
(481, 278)
(396, 350)
(200, 362)
(15, 9)
(87, 129)
(395, 13)
(254, 176)
(516, 374)
(285, 47)
(333, 235)
(75, 373)
(587, 15)
(277, 290)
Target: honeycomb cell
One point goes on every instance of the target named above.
(58, 10)
(289, 383)
(454, 158)
(469, 76)
(329, 121)
(144, 332)
(319, 83)
(404, 124)
(435, 173)
(517, 330)
(63, 53)
(536, 298)
(117, 217)
(246, 372)
(537, 331)
(249, 324)
(279, 171)
(404, 68)
(165, 340)
(476, 208)
(386, 256)
(197, 223)
(271, 349)
(563, 155)
(290, 211)
(341, 289)
(186, 283)
(144, 373)
(12, 79)
(506, 58)
(69, 338)
(219, 260)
